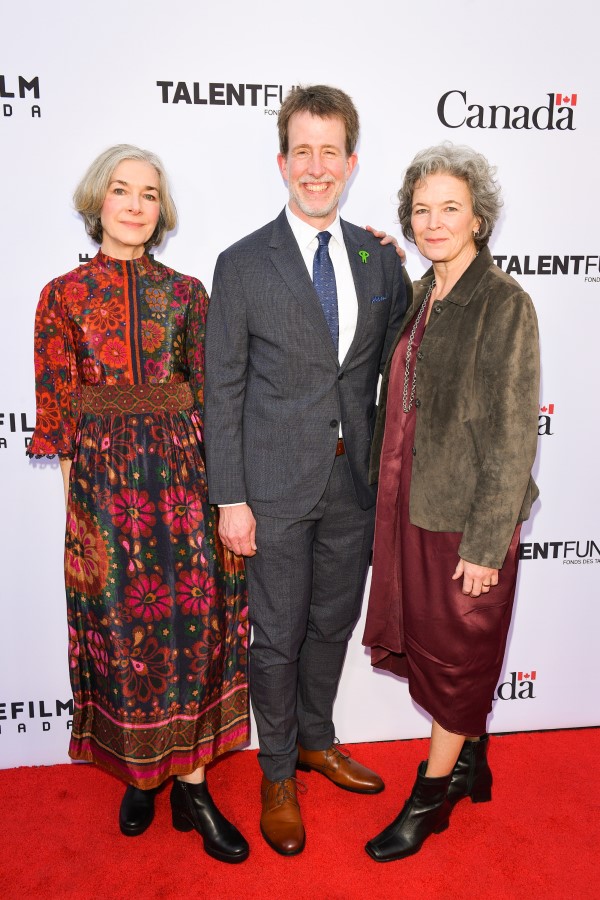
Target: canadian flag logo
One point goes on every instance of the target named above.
(566, 100)
(547, 409)
(526, 676)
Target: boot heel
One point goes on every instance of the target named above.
(441, 827)
(481, 794)
(181, 822)
(481, 790)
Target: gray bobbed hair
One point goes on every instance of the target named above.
(91, 191)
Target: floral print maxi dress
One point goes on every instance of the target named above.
(157, 610)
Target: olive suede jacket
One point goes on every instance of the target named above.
(477, 398)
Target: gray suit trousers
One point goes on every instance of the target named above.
(305, 584)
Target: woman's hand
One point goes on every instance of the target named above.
(388, 239)
(476, 579)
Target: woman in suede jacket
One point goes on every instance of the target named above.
(454, 444)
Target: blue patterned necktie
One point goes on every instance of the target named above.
(324, 284)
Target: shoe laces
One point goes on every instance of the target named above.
(284, 790)
(336, 749)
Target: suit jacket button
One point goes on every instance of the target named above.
(417, 402)
(414, 451)
(334, 423)
(340, 376)
(437, 309)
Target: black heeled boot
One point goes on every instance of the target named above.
(425, 812)
(193, 807)
(137, 811)
(472, 776)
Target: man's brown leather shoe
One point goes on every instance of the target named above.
(337, 765)
(280, 822)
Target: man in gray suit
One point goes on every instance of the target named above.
(302, 316)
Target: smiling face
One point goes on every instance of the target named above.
(443, 221)
(316, 167)
(130, 210)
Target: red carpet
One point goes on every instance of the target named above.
(538, 838)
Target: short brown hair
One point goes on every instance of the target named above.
(322, 101)
(91, 191)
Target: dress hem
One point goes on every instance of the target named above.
(88, 751)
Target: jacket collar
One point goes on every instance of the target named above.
(462, 292)
(281, 233)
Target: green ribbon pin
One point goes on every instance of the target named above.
(363, 255)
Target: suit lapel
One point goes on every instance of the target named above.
(419, 289)
(360, 274)
(287, 259)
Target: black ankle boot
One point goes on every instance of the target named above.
(472, 776)
(193, 807)
(425, 812)
(137, 811)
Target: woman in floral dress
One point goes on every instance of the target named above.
(157, 610)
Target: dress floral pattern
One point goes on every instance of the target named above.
(157, 609)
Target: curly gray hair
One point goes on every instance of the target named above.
(460, 162)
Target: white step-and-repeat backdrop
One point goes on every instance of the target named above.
(201, 84)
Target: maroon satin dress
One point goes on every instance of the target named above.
(419, 623)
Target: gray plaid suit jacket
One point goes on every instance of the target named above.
(274, 390)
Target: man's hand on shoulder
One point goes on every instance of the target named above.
(385, 238)
(237, 529)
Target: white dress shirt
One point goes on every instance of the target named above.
(306, 236)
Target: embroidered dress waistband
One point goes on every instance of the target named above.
(114, 399)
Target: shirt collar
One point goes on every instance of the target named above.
(305, 234)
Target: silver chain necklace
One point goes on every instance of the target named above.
(407, 407)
